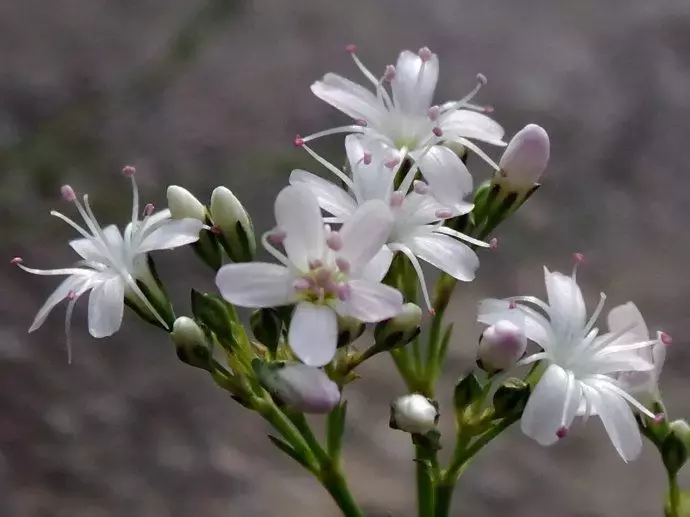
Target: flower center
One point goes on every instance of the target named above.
(323, 284)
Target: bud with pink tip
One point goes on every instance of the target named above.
(525, 158)
(501, 346)
(301, 387)
(183, 204)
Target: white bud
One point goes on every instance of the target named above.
(682, 430)
(232, 220)
(186, 333)
(398, 331)
(501, 346)
(525, 158)
(414, 414)
(183, 204)
(302, 387)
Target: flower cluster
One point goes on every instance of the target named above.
(350, 249)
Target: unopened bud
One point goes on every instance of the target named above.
(674, 452)
(682, 430)
(500, 346)
(301, 387)
(190, 343)
(400, 330)
(237, 232)
(349, 329)
(525, 158)
(183, 204)
(414, 414)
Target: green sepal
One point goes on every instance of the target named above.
(674, 453)
(267, 327)
(208, 249)
(467, 390)
(510, 398)
(215, 314)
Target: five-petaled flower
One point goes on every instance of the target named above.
(418, 230)
(582, 366)
(405, 119)
(322, 272)
(113, 264)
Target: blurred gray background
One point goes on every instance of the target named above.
(211, 92)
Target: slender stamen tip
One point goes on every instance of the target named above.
(443, 213)
(344, 292)
(433, 113)
(71, 296)
(215, 230)
(276, 237)
(16, 260)
(68, 193)
(366, 158)
(298, 141)
(437, 131)
(343, 264)
(493, 243)
(301, 284)
(351, 48)
(665, 338)
(420, 187)
(392, 163)
(128, 171)
(432, 311)
(488, 109)
(397, 199)
(579, 258)
(389, 73)
(148, 209)
(334, 241)
(425, 54)
(659, 417)
(512, 305)
(361, 122)
(481, 79)
(562, 432)
(315, 264)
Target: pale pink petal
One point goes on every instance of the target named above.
(172, 234)
(371, 302)
(72, 284)
(471, 124)
(313, 333)
(537, 327)
(348, 97)
(365, 233)
(332, 198)
(446, 253)
(256, 284)
(447, 176)
(106, 307)
(298, 214)
(413, 94)
(566, 305)
(377, 267)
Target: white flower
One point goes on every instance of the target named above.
(418, 216)
(112, 263)
(407, 120)
(581, 363)
(414, 413)
(323, 273)
(627, 318)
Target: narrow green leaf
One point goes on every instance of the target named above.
(335, 430)
(289, 450)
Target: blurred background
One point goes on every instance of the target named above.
(211, 92)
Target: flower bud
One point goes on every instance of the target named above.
(682, 430)
(301, 387)
(500, 346)
(154, 290)
(525, 158)
(674, 452)
(183, 204)
(349, 329)
(400, 330)
(190, 343)
(414, 414)
(237, 232)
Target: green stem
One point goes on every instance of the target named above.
(288, 430)
(425, 460)
(334, 482)
(673, 502)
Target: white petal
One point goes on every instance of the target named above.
(106, 306)
(373, 180)
(377, 267)
(537, 328)
(545, 410)
(447, 176)
(172, 234)
(567, 307)
(628, 316)
(87, 249)
(256, 284)
(445, 253)
(419, 209)
(413, 94)
(471, 124)
(365, 233)
(313, 334)
(74, 283)
(350, 98)
(298, 214)
(113, 237)
(332, 198)
(617, 417)
(371, 302)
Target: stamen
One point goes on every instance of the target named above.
(343, 264)
(418, 270)
(562, 432)
(389, 73)
(665, 338)
(493, 243)
(393, 162)
(433, 113)
(269, 246)
(569, 390)
(579, 258)
(16, 260)
(301, 284)
(512, 304)
(595, 314)
(361, 122)
(420, 187)
(481, 79)
(437, 131)
(68, 328)
(397, 199)
(351, 49)
(148, 209)
(334, 241)
(425, 54)
(315, 264)
(366, 158)
(487, 109)
(276, 236)
(659, 417)
(323, 276)
(128, 171)
(340, 174)
(443, 213)
(215, 230)
(344, 292)
(359, 126)
(298, 141)
(68, 193)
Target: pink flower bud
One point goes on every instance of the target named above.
(302, 387)
(526, 157)
(500, 346)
